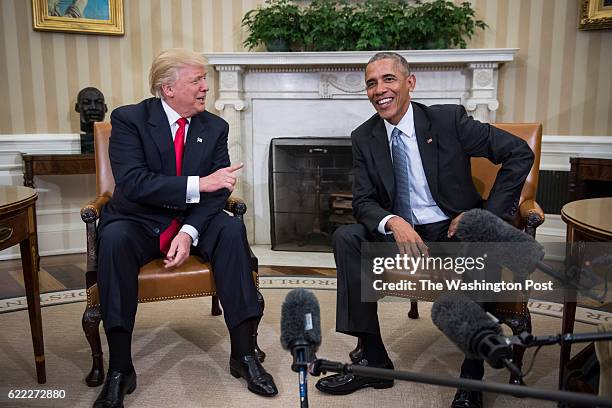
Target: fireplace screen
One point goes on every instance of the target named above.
(310, 183)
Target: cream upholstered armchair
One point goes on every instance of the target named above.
(194, 278)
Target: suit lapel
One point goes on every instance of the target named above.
(428, 148)
(382, 157)
(194, 146)
(162, 137)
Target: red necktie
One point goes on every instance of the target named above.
(165, 238)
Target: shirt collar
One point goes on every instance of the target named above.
(171, 114)
(406, 124)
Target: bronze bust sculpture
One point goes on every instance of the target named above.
(91, 107)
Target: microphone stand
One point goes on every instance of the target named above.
(495, 349)
(572, 277)
(302, 352)
(321, 366)
(303, 384)
(570, 280)
(526, 339)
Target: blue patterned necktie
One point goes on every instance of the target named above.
(401, 206)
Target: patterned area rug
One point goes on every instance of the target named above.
(181, 356)
(584, 315)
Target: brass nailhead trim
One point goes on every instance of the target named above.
(145, 300)
(155, 299)
(420, 297)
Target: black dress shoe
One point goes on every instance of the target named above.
(342, 384)
(259, 381)
(117, 384)
(467, 399)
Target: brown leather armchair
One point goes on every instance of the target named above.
(155, 283)
(529, 216)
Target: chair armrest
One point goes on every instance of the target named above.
(236, 206)
(90, 213)
(532, 215)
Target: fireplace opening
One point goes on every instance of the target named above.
(310, 180)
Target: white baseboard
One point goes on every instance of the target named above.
(55, 239)
(40, 143)
(14, 254)
(556, 150)
(553, 229)
(60, 229)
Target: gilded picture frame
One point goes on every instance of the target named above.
(595, 14)
(79, 16)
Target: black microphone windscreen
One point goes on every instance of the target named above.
(300, 319)
(461, 320)
(479, 225)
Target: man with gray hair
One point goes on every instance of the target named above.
(412, 182)
(172, 172)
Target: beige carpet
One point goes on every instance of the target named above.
(181, 356)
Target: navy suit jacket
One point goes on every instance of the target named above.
(147, 189)
(446, 138)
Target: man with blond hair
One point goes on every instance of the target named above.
(162, 207)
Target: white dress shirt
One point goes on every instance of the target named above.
(424, 208)
(193, 182)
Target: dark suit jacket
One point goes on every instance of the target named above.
(455, 137)
(147, 189)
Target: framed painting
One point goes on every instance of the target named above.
(595, 14)
(79, 16)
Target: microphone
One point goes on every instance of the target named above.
(475, 332)
(300, 325)
(301, 333)
(477, 225)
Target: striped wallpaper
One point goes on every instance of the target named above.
(562, 76)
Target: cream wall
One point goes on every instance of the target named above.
(561, 77)
(43, 71)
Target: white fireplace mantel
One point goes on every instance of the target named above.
(359, 58)
(264, 95)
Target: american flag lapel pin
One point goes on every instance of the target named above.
(199, 140)
(429, 140)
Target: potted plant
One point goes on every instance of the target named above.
(276, 25)
(442, 24)
(336, 25)
(383, 25)
(327, 26)
(394, 24)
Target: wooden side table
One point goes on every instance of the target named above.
(18, 226)
(56, 164)
(587, 221)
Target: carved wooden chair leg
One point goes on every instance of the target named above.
(91, 324)
(215, 309)
(414, 310)
(518, 361)
(259, 353)
(357, 354)
(518, 323)
(524, 324)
